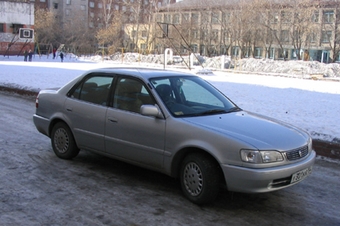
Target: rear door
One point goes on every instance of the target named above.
(86, 110)
(130, 135)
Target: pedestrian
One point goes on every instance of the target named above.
(61, 56)
(54, 52)
(25, 55)
(30, 55)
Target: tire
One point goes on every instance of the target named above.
(63, 143)
(200, 178)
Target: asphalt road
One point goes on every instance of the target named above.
(37, 188)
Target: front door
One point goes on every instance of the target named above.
(128, 134)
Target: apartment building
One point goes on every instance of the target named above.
(305, 31)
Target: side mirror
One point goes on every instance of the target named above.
(151, 110)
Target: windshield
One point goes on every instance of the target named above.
(191, 96)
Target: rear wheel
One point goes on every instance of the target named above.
(200, 178)
(63, 143)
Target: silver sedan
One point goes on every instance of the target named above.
(177, 124)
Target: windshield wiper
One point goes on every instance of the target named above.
(234, 109)
(213, 111)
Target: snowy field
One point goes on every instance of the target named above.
(313, 105)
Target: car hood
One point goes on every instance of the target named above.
(258, 131)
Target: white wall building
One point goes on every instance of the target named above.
(13, 16)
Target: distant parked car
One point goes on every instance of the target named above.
(177, 124)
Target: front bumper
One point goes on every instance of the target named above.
(250, 180)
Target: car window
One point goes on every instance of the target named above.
(94, 89)
(130, 95)
(198, 94)
(191, 96)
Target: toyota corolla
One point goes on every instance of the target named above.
(175, 123)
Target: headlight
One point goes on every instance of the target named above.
(254, 156)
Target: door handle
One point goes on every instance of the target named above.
(112, 119)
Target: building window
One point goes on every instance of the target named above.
(205, 18)
(175, 19)
(68, 2)
(284, 36)
(83, 7)
(143, 46)
(91, 4)
(274, 18)
(123, 8)
(159, 18)
(283, 53)
(144, 33)
(225, 17)
(185, 17)
(271, 53)
(328, 16)
(2, 27)
(315, 17)
(100, 5)
(286, 17)
(258, 52)
(204, 34)
(133, 34)
(91, 14)
(42, 0)
(215, 17)
(55, 5)
(214, 34)
(194, 18)
(67, 12)
(313, 38)
(116, 7)
(225, 36)
(195, 34)
(16, 28)
(234, 50)
(326, 36)
(167, 18)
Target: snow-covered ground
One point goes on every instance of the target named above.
(313, 105)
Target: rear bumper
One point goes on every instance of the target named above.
(249, 180)
(42, 124)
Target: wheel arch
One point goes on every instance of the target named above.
(54, 122)
(180, 155)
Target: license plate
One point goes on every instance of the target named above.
(298, 176)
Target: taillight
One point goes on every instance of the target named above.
(37, 102)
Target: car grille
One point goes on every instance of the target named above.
(297, 153)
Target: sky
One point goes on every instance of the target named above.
(312, 105)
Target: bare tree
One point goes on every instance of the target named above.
(46, 27)
(111, 36)
(75, 35)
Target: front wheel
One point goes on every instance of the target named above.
(63, 143)
(200, 178)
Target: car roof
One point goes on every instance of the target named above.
(144, 73)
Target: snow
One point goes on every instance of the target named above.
(313, 105)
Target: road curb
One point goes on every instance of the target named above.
(327, 149)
